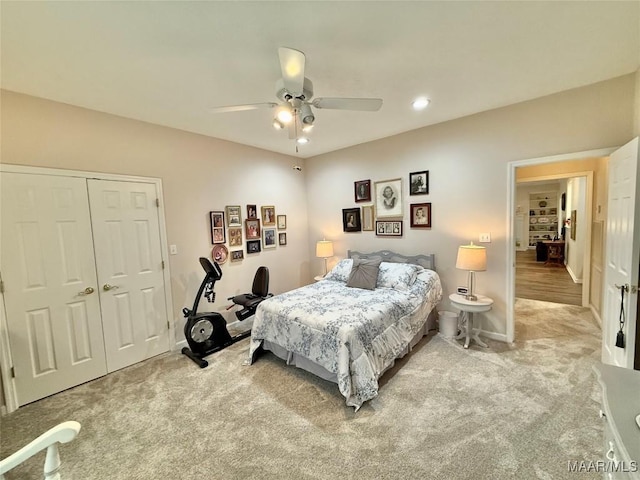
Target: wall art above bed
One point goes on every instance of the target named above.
(389, 228)
(362, 190)
(420, 215)
(351, 220)
(389, 198)
(217, 227)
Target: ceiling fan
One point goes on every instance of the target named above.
(295, 93)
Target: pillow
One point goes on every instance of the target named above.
(364, 274)
(399, 276)
(340, 272)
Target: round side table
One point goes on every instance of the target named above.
(467, 309)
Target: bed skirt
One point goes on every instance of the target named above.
(304, 363)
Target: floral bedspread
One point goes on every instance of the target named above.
(352, 332)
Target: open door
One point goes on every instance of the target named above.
(620, 310)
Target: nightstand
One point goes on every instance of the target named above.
(467, 309)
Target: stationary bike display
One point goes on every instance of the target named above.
(206, 332)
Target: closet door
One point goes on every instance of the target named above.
(51, 297)
(126, 236)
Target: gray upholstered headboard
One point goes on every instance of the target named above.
(426, 261)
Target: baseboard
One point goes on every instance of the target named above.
(500, 337)
(595, 315)
(573, 275)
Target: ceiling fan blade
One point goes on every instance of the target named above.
(292, 66)
(362, 104)
(242, 108)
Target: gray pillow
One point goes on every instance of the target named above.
(364, 274)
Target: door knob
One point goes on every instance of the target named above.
(86, 291)
(106, 287)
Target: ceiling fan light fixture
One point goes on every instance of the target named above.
(307, 128)
(302, 140)
(306, 114)
(284, 115)
(277, 124)
(420, 103)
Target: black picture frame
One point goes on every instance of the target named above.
(253, 246)
(217, 227)
(362, 191)
(351, 221)
(237, 255)
(419, 183)
(282, 239)
(389, 228)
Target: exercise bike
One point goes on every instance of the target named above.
(206, 332)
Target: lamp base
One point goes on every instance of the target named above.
(471, 297)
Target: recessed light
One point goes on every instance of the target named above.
(302, 140)
(420, 103)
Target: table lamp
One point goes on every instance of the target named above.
(324, 249)
(474, 259)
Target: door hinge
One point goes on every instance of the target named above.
(168, 326)
(1, 286)
(13, 372)
(163, 264)
(157, 202)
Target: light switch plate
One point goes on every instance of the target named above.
(173, 249)
(485, 238)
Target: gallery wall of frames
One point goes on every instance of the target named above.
(384, 212)
(236, 230)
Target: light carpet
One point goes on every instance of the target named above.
(443, 412)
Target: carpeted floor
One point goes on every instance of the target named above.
(510, 411)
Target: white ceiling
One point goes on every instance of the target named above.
(168, 62)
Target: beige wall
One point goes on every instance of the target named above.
(636, 127)
(468, 164)
(199, 174)
(467, 159)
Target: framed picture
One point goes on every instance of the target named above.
(367, 218)
(389, 198)
(362, 190)
(219, 254)
(269, 237)
(237, 255)
(253, 246)
(351, 220)
(419, 183)
(235, 236)
(269, 215)
(233, 216)
(282, 222)
(217, 227)
(420, 215)
(389, 228)
(252, 229)
(252, 212)
(282, 238)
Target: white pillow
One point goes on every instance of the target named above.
(399, 276)
(341, 271)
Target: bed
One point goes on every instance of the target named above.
(350, 335)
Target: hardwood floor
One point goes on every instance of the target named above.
(537, 281)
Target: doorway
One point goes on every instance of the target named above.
(551, 169)
(550, 249)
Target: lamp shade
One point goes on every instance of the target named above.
(472, 257)
(324, 249)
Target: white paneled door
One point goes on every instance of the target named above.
(83, 279)
(622, 257)
(51, 293)
(126, 236)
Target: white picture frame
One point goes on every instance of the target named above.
(389, 198)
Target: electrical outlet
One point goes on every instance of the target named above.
(485, 238)
(173, 249)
